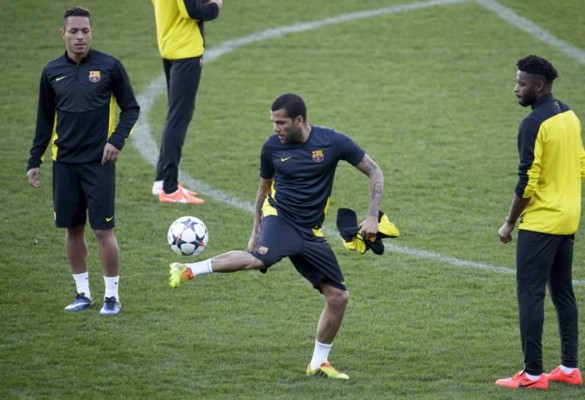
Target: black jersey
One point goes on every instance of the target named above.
(77, 112)
(303, 173)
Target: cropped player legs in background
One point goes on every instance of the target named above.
(182, 77)
(181, 42)
(329, 321)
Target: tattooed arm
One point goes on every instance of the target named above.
(371, 169)
(263, 191)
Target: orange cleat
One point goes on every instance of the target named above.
(521, 381)
(157, 187)
(572, 378)
(187, 191)
(181, 195)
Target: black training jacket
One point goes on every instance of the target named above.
(77, 111)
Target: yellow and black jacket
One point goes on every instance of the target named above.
(77, 111)
(552, 166)
(350, 232)
(179, 27)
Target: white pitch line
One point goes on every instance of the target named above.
(144, 142)
(533, 30)
(430, 255)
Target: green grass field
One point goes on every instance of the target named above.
(424, 87)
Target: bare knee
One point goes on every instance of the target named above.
(336, 298)
(76, 232)
(104, 235)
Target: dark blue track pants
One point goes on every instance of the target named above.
(541, 260)
(182, 78)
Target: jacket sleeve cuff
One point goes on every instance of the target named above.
(117, 141)
(33, 164)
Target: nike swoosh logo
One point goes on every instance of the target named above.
(522, 385)
(109, 219)
(283, 159)
(60, 78)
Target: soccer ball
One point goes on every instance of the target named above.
(188, 236)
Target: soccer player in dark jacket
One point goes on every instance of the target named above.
(77, 117)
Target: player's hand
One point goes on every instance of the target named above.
(34, 177)
(505, 232)
(111, 154)
(369, 228)
(252, 243)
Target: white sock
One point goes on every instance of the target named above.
(157, 187)
(567, 370)
(111, 286)
(532, 377)
(201, 267)
(82, 284)
(320, 354)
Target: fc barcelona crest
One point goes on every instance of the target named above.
(262, 250)
(318, 155)
(95, 76)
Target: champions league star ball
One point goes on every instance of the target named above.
(188, 236)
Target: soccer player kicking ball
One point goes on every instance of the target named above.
(297, 166)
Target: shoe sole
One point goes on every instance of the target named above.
(170, 201)
(565, 382)
(321, 374)
(108, 313)
(80, 307)
(187, 191)
(105, 312)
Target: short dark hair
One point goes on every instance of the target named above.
(538, 66)
(76, 12)
(292, 103)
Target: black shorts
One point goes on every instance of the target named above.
(78, 188)
(311, 255)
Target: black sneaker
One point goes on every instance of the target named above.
(80, 303)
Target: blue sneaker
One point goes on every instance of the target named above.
(111, 306)
(80, 303)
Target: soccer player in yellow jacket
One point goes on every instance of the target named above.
(547, 208)
(181, 42)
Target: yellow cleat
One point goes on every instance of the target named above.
(326, 370)
(179, 273)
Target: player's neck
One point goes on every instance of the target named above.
(306, 130)
(77, 58)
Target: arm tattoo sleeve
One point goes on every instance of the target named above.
(371, 169)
